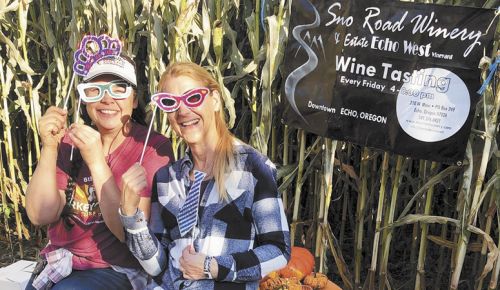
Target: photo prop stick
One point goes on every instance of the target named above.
(147, 136)
(92, 49)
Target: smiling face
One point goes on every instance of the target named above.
(109, 114)
(196, 125)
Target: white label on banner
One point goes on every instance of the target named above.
(432, 104)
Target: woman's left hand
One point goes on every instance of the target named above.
(88, 141)
(134, 181)
(191, 264)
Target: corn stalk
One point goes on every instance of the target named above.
(387, 234)
(298, 187)
(325, 198)
(491, 106)
(420, 279)
(360, 217)
(378, 220)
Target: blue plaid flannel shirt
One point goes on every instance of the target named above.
(247, 234)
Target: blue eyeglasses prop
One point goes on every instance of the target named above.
(94, 92)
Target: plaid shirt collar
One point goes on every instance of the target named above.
(186, 165)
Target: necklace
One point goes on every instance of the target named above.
(113, 158)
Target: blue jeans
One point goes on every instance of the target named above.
(93, 279)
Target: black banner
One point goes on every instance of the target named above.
(391, 75)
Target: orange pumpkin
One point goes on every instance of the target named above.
(301, 264)
(331, 286)
(281, 284)
(270, 283)
(272, 275)
(316, 280)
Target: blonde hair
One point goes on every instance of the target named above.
(224, 156)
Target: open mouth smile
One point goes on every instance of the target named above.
(190, 123)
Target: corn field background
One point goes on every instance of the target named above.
(374, 220)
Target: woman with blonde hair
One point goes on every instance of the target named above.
(217, 220)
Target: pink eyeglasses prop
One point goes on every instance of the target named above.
(171, 103)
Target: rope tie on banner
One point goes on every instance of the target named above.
(493, 68)
(497, 12)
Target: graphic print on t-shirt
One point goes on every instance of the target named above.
(85, 206)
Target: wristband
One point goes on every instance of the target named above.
(206, 267)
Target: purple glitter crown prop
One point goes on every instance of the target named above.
(93, 48)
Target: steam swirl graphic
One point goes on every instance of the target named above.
(303, 70)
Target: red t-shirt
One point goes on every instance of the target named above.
(91, 242)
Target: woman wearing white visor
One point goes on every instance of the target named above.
(79, 199)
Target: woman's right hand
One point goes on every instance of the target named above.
(133, 183)
(52, 126)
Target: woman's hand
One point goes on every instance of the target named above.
(88, 141)
(52, 126)
(133, 183)
(191, 264)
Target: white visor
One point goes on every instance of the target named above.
(113, 65)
